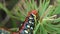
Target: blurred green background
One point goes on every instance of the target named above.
(14, 12)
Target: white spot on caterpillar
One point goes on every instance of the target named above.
(30, 18)
(28, 26)
(32, 28)
(26, 31)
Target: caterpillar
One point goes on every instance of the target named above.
(29, 23)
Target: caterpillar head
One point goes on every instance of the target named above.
(34, 12)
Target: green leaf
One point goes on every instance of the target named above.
(50, 28)
(36, 28)
(42, 30)
(57, 10)
(44, 8)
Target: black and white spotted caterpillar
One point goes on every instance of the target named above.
(29, 24)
